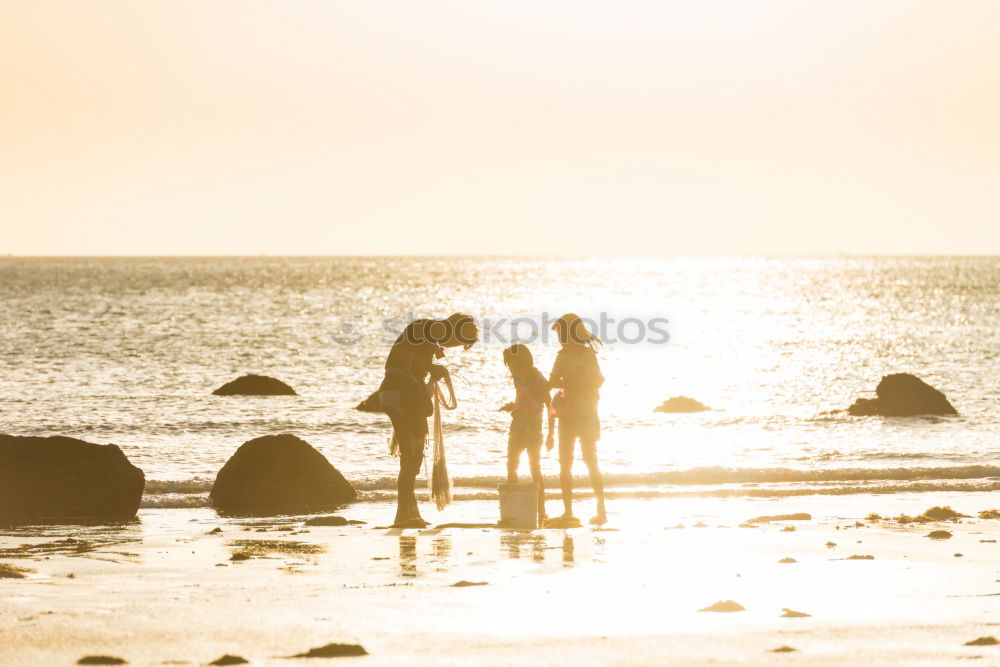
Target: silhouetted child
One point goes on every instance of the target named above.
(532, 399)
(577, 375)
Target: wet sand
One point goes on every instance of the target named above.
(170, 589)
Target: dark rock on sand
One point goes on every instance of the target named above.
(681, 404)
(8, 571)
(945, 513)
(333, 651)
(465, 584)
(903, 395)
(228, 659)
(100, 660)
(784, 649)
(327, 521)
(279, 474)
(58, 478)
(939, 535)
(255, 385)
(989, 640)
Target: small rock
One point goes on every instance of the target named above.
(989, 640)
(788, 559)
(784, 649)
(255, 385)
(725, 606)
(240, 555)
(327, 521)
(333, 651)
(791, 613)
(681, 404)
(100, 660)
(861, 557)
(214, 531)
(788, 529)
(938, 535)
(228, 659)
(958, 555)
(8, 571)
(463, 583)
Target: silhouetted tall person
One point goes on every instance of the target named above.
(405, 397)
(577, 375)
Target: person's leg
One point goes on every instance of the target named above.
(566, 438)
(416, 462)
(513, 461)
(535, 463)
(589, 448)
(411, 455)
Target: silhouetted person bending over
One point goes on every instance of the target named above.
(405, 397)
(578, 377)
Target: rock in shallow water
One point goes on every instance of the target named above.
(903, 395)
(64, 479)
(279, 474)
(255, 385)
(681, 404)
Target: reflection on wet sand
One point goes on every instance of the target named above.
(86, 541)
(514, 545)
(568, 549)
(408, 555)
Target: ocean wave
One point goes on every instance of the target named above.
(720, 475)
(174, 501)
(193, 485)
(714, 482)
(921, 486)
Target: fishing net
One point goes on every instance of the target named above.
(439, 481)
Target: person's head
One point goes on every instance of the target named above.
(572, 331)
(518, 359)
(458, 329)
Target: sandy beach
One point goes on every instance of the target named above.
(167, 590)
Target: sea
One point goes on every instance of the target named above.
(129, 350)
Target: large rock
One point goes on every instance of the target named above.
(681, 404)
(279, 474)
(903, 395)
(57, 479)
(255, 385)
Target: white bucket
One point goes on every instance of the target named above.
(518, 506)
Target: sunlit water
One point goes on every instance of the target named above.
(129, 350)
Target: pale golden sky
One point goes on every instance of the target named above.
(510, 126)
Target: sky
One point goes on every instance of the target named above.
(658, 127)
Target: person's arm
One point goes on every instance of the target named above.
(556, 380)
(550, 439)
